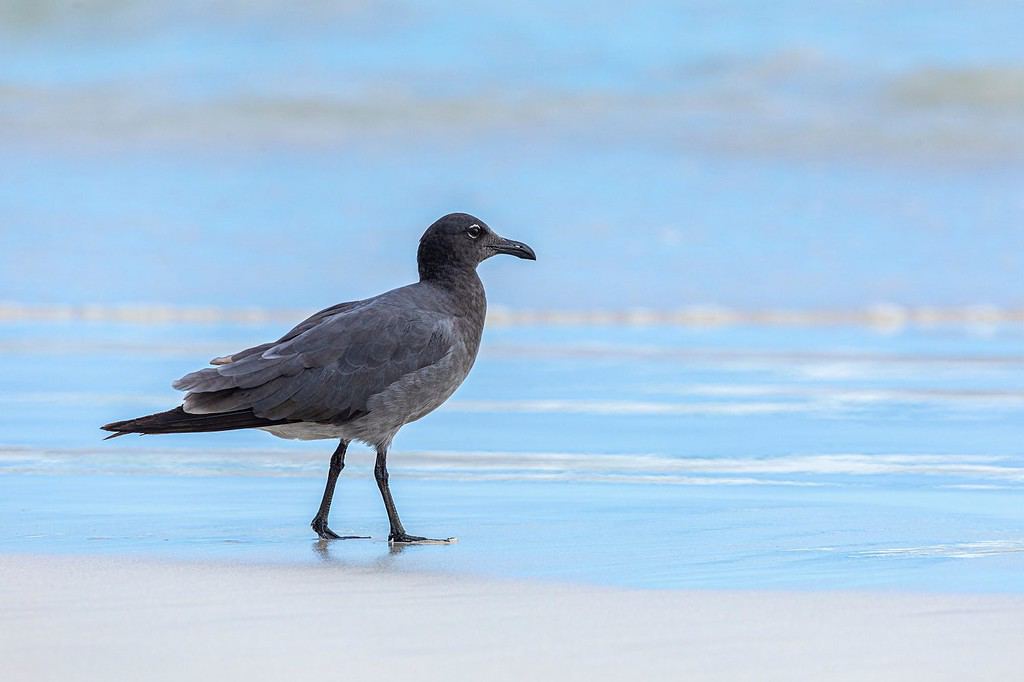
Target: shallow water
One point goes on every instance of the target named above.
(647, 457)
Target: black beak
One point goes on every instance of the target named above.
(513, 248)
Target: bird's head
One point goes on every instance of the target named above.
(459, 241)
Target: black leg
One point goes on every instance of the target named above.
(397, 534)
(319, 523)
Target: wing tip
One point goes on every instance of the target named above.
(118, 429)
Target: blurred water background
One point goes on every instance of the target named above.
(773, 337)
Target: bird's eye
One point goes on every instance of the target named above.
(474, 231)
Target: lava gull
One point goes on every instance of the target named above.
(355, 371)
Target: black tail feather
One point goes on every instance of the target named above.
(180, 421)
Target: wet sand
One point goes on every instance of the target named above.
(102, 618)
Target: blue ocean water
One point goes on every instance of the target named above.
(222, 167)
(647, 457)
(656, 154)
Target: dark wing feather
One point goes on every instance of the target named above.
(327, 368)
(301, 327)
(179, 421)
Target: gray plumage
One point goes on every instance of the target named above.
(358, 370)
(360, 373)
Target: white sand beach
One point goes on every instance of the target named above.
(106, 618)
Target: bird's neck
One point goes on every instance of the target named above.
(464, 285)
(451, 276)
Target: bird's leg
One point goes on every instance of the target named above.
(397, 534)
(319, 523)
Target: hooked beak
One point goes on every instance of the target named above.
(513, 248)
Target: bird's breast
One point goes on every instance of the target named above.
(424, 390)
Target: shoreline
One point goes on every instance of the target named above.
(721, 537)
(89, 617)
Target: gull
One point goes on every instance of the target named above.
(357, 371)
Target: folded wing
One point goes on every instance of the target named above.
(327, 368)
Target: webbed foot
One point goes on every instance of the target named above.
(319, 525)
(406, 539)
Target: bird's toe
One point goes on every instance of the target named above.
(405, 539)
(320, 526)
